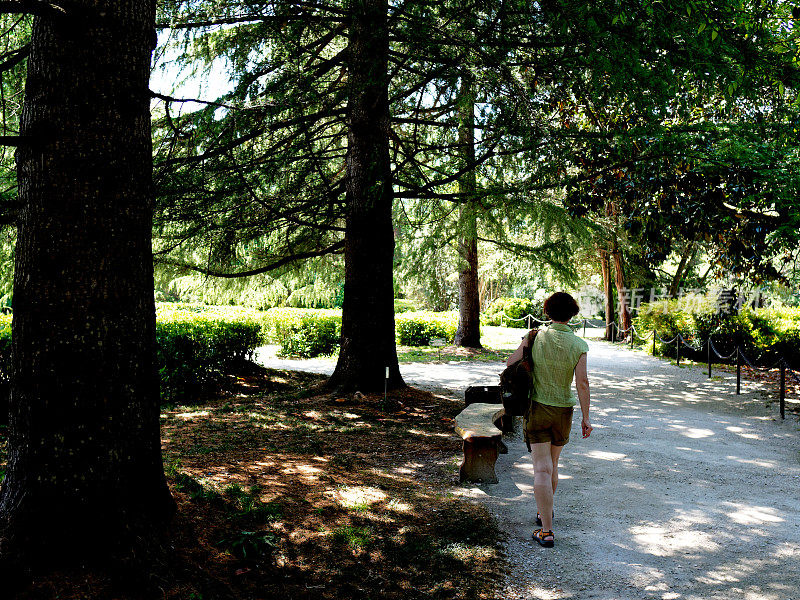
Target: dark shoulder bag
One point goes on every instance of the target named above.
(517, 379)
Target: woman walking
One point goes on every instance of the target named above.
(558, 355)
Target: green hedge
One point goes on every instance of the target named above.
(303, 332)
(419, 328)
(510, 312)
(764, 334)
(402, 305)
(195, 344)
(5, 343)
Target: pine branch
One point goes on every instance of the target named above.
(14, 57)
(31, 7)
(336, 248)
(250, 19)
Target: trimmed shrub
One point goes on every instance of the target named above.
(303, 332)
(5, 342)
(5, 367)
(668, 318)
(510, 312)
(764, 334)
(195, 344)
(402, 305)
(419, 328)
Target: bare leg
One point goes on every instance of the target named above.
(543, 482)
(555, 452)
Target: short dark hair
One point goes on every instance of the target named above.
(561, 307)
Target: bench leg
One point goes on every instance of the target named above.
(480, 455)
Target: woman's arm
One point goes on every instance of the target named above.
(582, 383)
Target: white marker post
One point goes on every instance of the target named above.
(385, 384)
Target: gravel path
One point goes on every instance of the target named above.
(684, 490)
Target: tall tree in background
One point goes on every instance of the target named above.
(85, 474)
(469, 325)
(368, 355)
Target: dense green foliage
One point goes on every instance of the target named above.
(764, 335)
(5, 343)
(195, 344)
(303, 332)
(421, 327)
(511, 312)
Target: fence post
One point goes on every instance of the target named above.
(783, 390)
(631, 334)
(584, 327)
(529, 321)
(738, 371)
(709, 358)
(678, 349)
(655, 335)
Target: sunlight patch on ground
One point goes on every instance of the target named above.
(187, 416)
(399, 506)
(766, 464)
(345, 415)
(788, 550)
(409, 468)
(465, 553)
(659, 541)
(695, 433)
(752, 515)
(635, 486)
(304, 471)
(685, 449)
(649, 579)
(602, 455)
(358, 496)
(427, 434)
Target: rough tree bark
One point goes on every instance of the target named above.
(468, 333)
(608, 288)
(368, 346)
(623, 295)
(85, 474)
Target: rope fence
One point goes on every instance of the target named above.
(681, 342)
(738, 354)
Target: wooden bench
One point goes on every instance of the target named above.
(482, 441)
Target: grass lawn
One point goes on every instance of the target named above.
(287, 491)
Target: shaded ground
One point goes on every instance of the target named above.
(288, 492)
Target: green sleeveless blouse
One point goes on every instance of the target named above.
(556, 351)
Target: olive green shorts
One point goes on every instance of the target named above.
(547, 423)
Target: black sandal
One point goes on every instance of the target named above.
(539, 536)
(539, 518)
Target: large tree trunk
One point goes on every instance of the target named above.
(608, 288)
(85, 474)
(623, 294)
(469, 306)
(368, 346)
